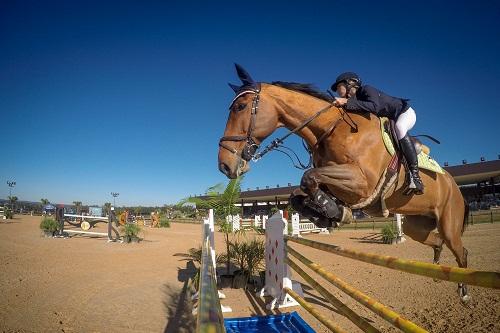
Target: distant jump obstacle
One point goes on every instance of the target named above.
(60, 217)
(287, 293)
(2, 213)
(299, 226)
(83, 221)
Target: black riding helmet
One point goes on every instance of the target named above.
(351, 79)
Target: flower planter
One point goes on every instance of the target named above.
(240, 279)
(226, 280)
(131, 239)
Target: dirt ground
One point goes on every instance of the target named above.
(89, 285)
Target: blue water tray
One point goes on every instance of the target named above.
(287, 322)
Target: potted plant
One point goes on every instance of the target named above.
(226, 279)
(389, 234)
(49, 226)
(222, 200)
(255, 259)
(239, 251)
(131, 233)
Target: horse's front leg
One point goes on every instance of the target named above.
(345, 181)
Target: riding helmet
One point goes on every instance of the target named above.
(351, 78)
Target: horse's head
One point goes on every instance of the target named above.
(251, 119)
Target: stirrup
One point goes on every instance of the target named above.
(412, 188)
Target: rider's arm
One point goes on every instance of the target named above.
(366, 99)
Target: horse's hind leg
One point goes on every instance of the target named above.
(451, 232)
(421, 229)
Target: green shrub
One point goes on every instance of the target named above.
(8, 213)
(248, 255)
(164, 222)
(389, 233)
(131, 230)
(49, 225)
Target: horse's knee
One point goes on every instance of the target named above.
(297, 201)
(309, 183)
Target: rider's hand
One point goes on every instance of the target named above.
(340, 101)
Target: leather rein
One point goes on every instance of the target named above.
(249, 151)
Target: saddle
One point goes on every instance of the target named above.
(391, 142)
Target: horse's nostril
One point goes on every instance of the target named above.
(224, 168)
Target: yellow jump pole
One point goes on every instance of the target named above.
(380, 309)
(325, 321)
(447, 273)
(353, 316)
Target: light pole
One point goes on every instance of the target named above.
(11, 185)
(114, 194)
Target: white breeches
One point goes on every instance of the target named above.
(405, 122)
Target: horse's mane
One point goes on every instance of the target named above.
(306, 88)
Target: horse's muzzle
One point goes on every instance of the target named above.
(226, 170)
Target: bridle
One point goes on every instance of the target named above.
(251, 144)
(249, 151)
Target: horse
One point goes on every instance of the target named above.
(349, 159)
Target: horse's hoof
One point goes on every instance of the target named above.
(347, 217)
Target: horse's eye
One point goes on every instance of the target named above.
(239, 107)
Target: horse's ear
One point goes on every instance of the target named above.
(234, 87)
(245, 78)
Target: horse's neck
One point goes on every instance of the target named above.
(297, 111)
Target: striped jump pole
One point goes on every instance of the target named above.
(446, 273)
(373, 305)
(278, 276)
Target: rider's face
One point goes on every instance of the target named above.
(351, 92)
(342, 90)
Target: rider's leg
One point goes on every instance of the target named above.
(404, 123)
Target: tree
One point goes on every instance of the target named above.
(44, 201)
(107, 207)
(12, 200)
(221, 200)
(78, 206)
(223, 205)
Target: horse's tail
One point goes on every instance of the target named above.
(466, 216)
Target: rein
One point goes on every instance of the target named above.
(249, 151)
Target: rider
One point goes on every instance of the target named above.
(354, 96)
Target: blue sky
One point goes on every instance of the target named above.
(132, 96)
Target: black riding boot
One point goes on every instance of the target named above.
(416, 186)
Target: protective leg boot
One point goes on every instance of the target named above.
(416, 186)
(325, 205)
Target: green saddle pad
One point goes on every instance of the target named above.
(424, 160)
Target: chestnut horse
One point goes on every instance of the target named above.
(348, 162)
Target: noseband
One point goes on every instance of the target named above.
(251, 145)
